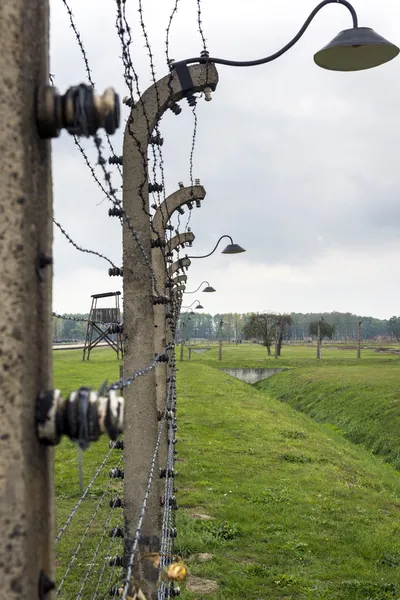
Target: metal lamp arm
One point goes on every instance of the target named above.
(262, 61)
(216, 246)
(198, 288)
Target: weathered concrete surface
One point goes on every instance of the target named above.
(141, 426)
(26, 477)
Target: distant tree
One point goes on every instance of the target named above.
(281, 327)
(268, 328)
(326, 329)
(394, 327)
(260, 327)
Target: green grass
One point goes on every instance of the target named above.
(362, 400)
(298, 511)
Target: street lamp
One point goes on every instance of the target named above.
(353, 49)
(229, 249)
(208, 288)
(198, 307)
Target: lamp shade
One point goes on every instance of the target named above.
(199, 307)
(208, 288)
(233, 249)
(356, 49)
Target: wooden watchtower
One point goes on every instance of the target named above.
(100, 328)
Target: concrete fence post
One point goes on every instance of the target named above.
(140, 419)
(26, 490)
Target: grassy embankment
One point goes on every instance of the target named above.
(297, 510)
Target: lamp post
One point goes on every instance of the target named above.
(354, 49)
(229, 249)
(220, 340)
(198, 307)
(208, 288)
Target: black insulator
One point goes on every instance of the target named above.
(176, 109)
(156, 139)
(204, 54)
(114, 591)
(154, 206)
(173, 532)
(191, 100)
(117, 532)
(189, 205)
(115, 160)
(116, 503)
(163, 358)
(169, 253)
(160, 300)
(115, 212)
(155, 187)
(116, 473)
(118, 445)
(158, 243)
(198, 203)
(166, 473)
(116, 328)
(116, 561)
(169, 227)
(128, 101)
(171, 591)
(115, 271)
(180, 210)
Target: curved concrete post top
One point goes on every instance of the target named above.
(179, 240)
(166, 209)
(181, 263)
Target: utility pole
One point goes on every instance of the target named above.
(359, 340)
(220, 340)
(26, 490)
(319, 340)
(140, 419)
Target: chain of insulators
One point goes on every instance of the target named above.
(175, 108)
(115, 272)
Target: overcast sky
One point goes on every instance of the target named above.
(300, 165)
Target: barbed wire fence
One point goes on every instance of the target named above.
(103, 544)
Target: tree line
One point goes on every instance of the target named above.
(206, 326)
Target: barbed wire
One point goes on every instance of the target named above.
(200, 25)
(194, 139)
(84, 495)
(166, 545)
(123, 383)
(82, 319)
(86, 62)
(71, 241)
(86, 531)
(103, 569)
(92, 562)
(135, 543)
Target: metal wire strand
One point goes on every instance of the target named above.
(123, 383)
(109, 550)
(85, 493)
(131, 560)
(88, 526)
(200, 25)
(81, 319)
(71, 241)
(86, 61)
